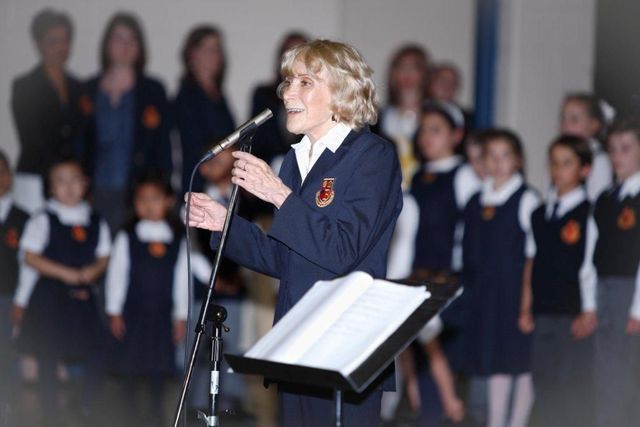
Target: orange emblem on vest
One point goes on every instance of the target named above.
(428, 177)
(150, 117)
(325, 196)
(570, 233)
(78, 233)
(488, 212)
(157, 249)
(86, 106)
(627, 219)
(11, 238)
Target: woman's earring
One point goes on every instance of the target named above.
(333, 118)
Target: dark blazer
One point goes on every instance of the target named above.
(201, 122)
(151, 147)
(46, 129)
(308, 243)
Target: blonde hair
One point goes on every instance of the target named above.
(353, 92)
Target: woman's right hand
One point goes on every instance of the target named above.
(205, 212)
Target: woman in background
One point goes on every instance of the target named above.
(200, 108)
(45, 106)
(128, 127)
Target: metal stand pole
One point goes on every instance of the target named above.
(338, 395)
(208, 311)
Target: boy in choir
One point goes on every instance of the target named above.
(559, 306)
(616, 258)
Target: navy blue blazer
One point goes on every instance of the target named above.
(153, 121)
(306, 242)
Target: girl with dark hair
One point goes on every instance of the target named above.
(45, 107)
(128, 119)
(498, 250)
(146, 296)
(201, 111)
(66, 246)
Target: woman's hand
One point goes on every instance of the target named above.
(205, 212)
(255, 176)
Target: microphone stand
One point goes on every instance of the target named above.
(214, 315)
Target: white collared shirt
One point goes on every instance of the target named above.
(566, 202)
(630, 186)
(6, 202)
(307, 154)
(491, 196)
(35, 239)
(36, 232)
(117, 280)
(587, 275)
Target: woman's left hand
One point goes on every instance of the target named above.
(255, 176)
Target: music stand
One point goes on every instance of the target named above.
(369, 370)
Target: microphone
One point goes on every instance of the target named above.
(246, 129)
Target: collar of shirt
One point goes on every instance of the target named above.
(630, 186)
(70, 215)
(443, 165)
(565, 202)
(491, 196)
(154, 231)
(307, 154)
(5, 206)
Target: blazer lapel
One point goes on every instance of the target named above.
(327, 160)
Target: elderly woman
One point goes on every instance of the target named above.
(337, 200)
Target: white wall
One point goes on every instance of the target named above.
(252, 29)
(546, 50)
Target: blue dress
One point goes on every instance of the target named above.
(494, 258)
(439, 215)
(148, 348)
(57, 323)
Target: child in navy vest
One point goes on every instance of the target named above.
(12, 222)
(498, 247)
(441, 189)
(67, 247)
(617, 257)
(147, 296)
(561, 312)
(587, 116)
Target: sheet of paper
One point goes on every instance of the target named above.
(339, 323)
(310, 318)
(361, 329)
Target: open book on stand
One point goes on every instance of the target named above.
(343, 333)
